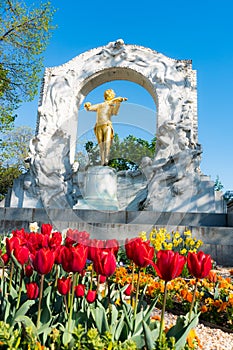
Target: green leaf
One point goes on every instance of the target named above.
(66, 337)
(128, 317)
(99, 316)
(139, 340)
(216, 291)
(26, 321)
(147, 312)
(118, 328)
(181, 330)
(148, 336)
(138, 323)
(45, 329)
(46, 313)
(24, 308)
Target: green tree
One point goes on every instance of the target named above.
(15, 147)
(24, 35)
(14, 151)
(125, 154)
(218, 186)
(7, 176)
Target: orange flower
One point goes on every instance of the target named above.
(156, 318)
(192, 340)
(204, 309)
(212, 276)
(189, 297)
(217, 303)
(183, 293)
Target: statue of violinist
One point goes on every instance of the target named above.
(103, 128)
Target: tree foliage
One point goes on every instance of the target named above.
(125, 154)
(24, 35)
(7, 176)
(15, 147)
(14, 151)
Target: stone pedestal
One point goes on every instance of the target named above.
(100, 189)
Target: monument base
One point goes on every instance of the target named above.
(100, 189)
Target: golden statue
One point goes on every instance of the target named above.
(103, 128)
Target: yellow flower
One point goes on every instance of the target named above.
(193, 250)
(177, 235)
(183, 251)
(167, 246)
(187, 233)
(142, 235)
(175, 242)
(199, 243)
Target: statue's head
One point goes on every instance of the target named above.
(109, 94)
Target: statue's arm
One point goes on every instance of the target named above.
(119, 99)
(89, 107)
(116, 102)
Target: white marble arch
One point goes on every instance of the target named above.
(171, 83)
(174, 179)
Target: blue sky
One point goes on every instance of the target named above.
(199, 30)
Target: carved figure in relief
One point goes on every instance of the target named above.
(103, 128)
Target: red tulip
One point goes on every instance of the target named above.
(113, 245)
(128, 290)
(80, 290)
(21, 235)
(58, 254)
(93, 245)
(91, 296)
(69, 242)
(199, 264)
(105, 262)
(34, 242)
(169, 264)
(63, 285)
(32, 290)
(74, 259)
(46, 229)
(21, 254)
(43, 261)
(129, 243)
(78, 236)
(5, 257)
(11, 244)
(55, 240)
(102, 279)
(142, 253)
(28, 270)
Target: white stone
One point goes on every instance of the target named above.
(174, 181)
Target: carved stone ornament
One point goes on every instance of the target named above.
(174, 181)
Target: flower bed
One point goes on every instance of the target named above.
(67, 291)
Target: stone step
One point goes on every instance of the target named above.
(211, 228)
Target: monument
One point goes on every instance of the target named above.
(171, 182)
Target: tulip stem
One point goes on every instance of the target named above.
(92, 275)
(65, 302)
(3, 281)
(40, 299)
(163, 311)
(137, 293)
(98, 283)
(132, 288)
(20, 289)
(193, 300)
(11, 276)
(72, 301)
